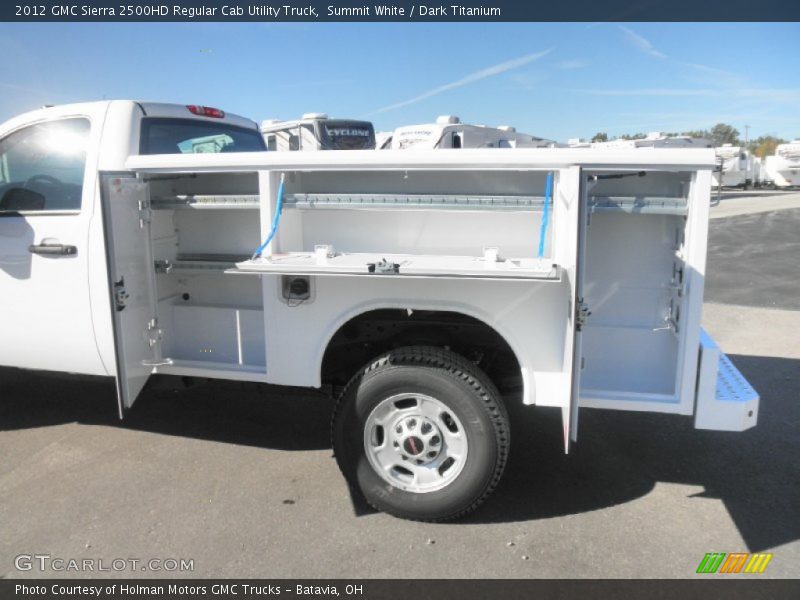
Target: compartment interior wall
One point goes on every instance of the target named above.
(208, 317)
(630, 288)
(409, 230)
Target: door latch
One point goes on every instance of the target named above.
(582, 313)
(120, 294)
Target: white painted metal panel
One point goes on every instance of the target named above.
(131, 284)
(398, 160)
(568, 209)
(46, 321)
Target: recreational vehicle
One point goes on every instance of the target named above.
(734, 167)
(783, 168)
(317, 131)
(449, 132)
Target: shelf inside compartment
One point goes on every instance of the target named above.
(320, 201)
(645, 205)
(214, 335)
(401, 265)
(199, 263)
(205, 201)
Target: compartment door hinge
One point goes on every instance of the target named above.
(145, 212)
(582, 313)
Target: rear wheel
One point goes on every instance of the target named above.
(422, 433)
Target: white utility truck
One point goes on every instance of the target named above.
(317, 131)
(421, 283)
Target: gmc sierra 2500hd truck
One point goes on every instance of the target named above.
(141, 238)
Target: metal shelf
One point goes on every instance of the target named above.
(413, 201)
(354, 201)
(206, 202)
(402, 265)
(646, 205)
(199, 264)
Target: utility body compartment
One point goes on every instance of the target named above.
(588, 264)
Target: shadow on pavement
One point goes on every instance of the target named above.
(620, 455)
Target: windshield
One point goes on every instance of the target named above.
(346, 135)
(193, 136)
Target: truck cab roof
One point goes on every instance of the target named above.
(124, 128)
(147, 109)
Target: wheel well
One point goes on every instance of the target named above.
(371, 333)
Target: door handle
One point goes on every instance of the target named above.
(51, 247)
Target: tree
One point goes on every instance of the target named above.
(722, 133)
(765, 145)
(600, 136)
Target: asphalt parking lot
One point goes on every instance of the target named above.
(240, 477)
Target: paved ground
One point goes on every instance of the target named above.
(240, 478)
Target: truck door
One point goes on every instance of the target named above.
(569, 244)
(47, 193)
(126, 223)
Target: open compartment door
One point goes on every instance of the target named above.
(131, 283)
(568, 239)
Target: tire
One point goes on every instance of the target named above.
(385, 426)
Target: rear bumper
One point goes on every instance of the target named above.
(725, 400)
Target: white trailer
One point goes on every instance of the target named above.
(783, 168)
(734, 167)
(449, 132)
(317, 131)
(422, 284)
(654, 139)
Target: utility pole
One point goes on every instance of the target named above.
(746, 135)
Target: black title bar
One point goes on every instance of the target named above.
(401, 11)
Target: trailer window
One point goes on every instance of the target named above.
(192, 136)
(42, 166)
(347, 135)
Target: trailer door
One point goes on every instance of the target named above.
(131, 283)
(568, 237)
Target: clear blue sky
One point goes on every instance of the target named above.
(557, 80)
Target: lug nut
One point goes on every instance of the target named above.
(435, 440)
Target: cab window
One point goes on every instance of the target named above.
(42, 166)
(193, 136)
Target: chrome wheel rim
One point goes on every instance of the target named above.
(415, 442)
